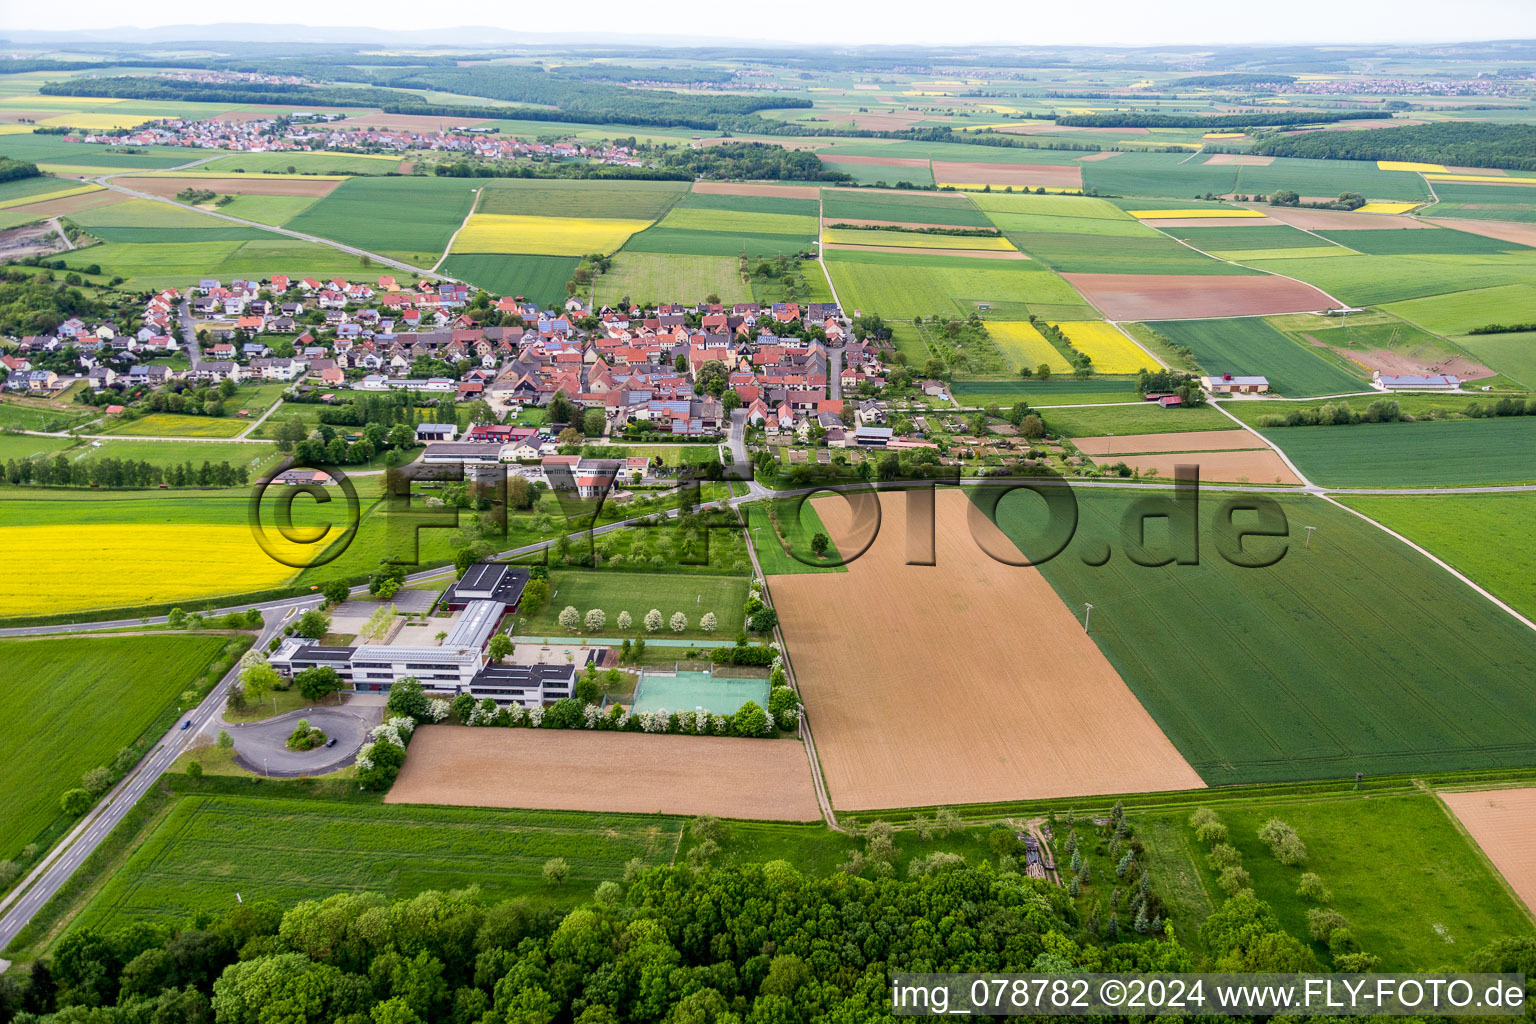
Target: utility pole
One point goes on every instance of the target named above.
(1309, 530)
(1087, 615)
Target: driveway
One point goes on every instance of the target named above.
(261, 747)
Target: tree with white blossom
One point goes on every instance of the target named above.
(679, 622)
(708, 623)
(570, 618)
(626, 620)
(653, 620)
(596, 620)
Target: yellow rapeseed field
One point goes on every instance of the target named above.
(1181, 214)
(119, 566)
(544, 236)
(1222, 135)
(916, 239)
(1386, 207)
(1111, 351)
(1407, 165)
(1023, 346)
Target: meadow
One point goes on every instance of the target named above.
(408, 216)
(1259, 675)
(199, 855)
(169, 424)
(797, 534)
(1464, 310)
(1067, 391)
(76, 702)
(655, 277)
(543, 236)
(1486, 536)
(1513, 355)
(165, 453)
(1249, 345)
(540, 278)
(638, 593)
(278, 210)
(1141, 418)
(1443, 453)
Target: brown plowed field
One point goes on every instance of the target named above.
(1241, 159)
(251, 185)
(1178, 296)
(1186, 441)
(572, 769)
(978, 172)
(881, 161)
(1261, 466)
(70, 204)
(1504, 230)
(1503, 821)
(1337, 220)
(963, 682)
(727, 188)
(980, 254)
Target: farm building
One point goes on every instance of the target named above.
(436, 432)
(1439, 382)
(1228, 384)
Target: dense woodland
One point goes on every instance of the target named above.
(15, 170)
(143, 88)
(751, 161)
(1131, 119)
(1463, 143)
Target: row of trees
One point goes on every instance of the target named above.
(112, 472)
(596, 619)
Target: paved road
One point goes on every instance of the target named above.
(262, 747)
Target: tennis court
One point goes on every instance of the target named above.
(688, 691)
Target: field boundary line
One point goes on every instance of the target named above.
(447, 249)
(1271, 273)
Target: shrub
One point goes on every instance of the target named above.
(75, 802)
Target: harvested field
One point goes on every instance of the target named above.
(1241, 159)
(251, 185)
(1017, 175)
(1338, 220)
(970, 707)
(1098, 156)
(985, 254)
(563, 769)
(1505, 231)
(883, 161)
(727, 188)
(1260, 466)
(412, 122)
(1178, 296)
(1185, 441)
(1503, 821)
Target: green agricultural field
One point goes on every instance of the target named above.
(1331, 178)
(41, 414)
(738, 221)
(1439, 241)
(1249, 345)
(54, 151)
(1354, 336)
(165, 453)
(200, 854)
(540, 278)
(1414, 890)
(690, 242)
(302, 163)
(1424, 405)
(24, 188)
(771, 555)
(75, 702)
(748, 204)
(913, 207)
(1373, 280)
(1240, 236)
(1142, 418)
(1445, 453)
(1025, 225)
(145, 213)
(1259, 675)
(1513, 355)
(624, 200)
(150, 265)
(1065, 391)
(905, 285)
(873, 174)
(219, 231)
(1486, 536)
(1460, 312)
(278, 210)
(1483, 202)
(1112, 254)
(638, 593)
(653, 277)
(1158, 174)
(46, 506)
(170, 424)
(1052, 205)
(397, 215)
(414, 537)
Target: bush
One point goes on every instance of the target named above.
(75, 802)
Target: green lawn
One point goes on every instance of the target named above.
(74, 703)
(1442, 453)
(1414, 890)
(797, 534)
(1486, 536)
(201, 854)
(26, 446)
(1261, 674)
(638, 593)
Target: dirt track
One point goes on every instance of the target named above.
(963, 682)
(727, 188)
(1179, 296)
(572, 769)
(983, 173)
(1503, 821)
(246, 185)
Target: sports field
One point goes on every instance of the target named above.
(643, 773)
(1443, 453)
(75, 702)
(1032, 708)
(637, 593)
(689, 691)
(1259, 675)
(200, 854)
(1248, 345)
(1486, 536)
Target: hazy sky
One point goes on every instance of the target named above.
(1114, 22)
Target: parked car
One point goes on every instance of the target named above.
(331, 742)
